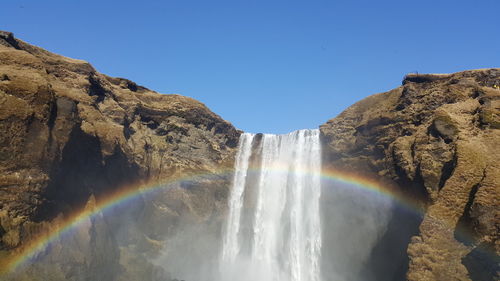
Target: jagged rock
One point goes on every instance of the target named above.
(70, 134)
(437, 139)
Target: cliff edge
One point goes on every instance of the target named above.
(437, 138)
(71, 135)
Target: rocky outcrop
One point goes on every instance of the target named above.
(437, 139)
(71, 134)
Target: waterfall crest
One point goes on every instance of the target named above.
(273, 229)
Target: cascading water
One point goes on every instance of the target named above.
(289, 220)
(273, 228)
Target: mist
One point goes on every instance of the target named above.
(274, 218)
(353, 224)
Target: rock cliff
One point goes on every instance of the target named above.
(437, 139)
(71, 134)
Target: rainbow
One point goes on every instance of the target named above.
(30, 250)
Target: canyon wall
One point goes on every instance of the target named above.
(436, 139)
(70, 135)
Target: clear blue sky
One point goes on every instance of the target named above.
(265, 66)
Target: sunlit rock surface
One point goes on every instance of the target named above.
(70, 135)
(437, 139)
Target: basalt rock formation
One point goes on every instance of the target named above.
(437, 139)
(70, 135)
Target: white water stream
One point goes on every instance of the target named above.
(273, 228)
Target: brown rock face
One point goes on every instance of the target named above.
(437, 138)
(69, 135)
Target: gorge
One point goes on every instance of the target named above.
(103, 179)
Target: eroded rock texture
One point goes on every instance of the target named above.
(437, 139)
(70, 135)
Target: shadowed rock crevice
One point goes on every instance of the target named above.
(127, 130)
(466, 230)
(125, 84)
(447, 171)
(417, 187)
(7, 39)
(96, 89)
(388, 259)
(482, 264)
(84, 171)
(75, 178)
(53, 115)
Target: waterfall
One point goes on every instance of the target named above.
(286, 222)
(231, 246)
(273, 229)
